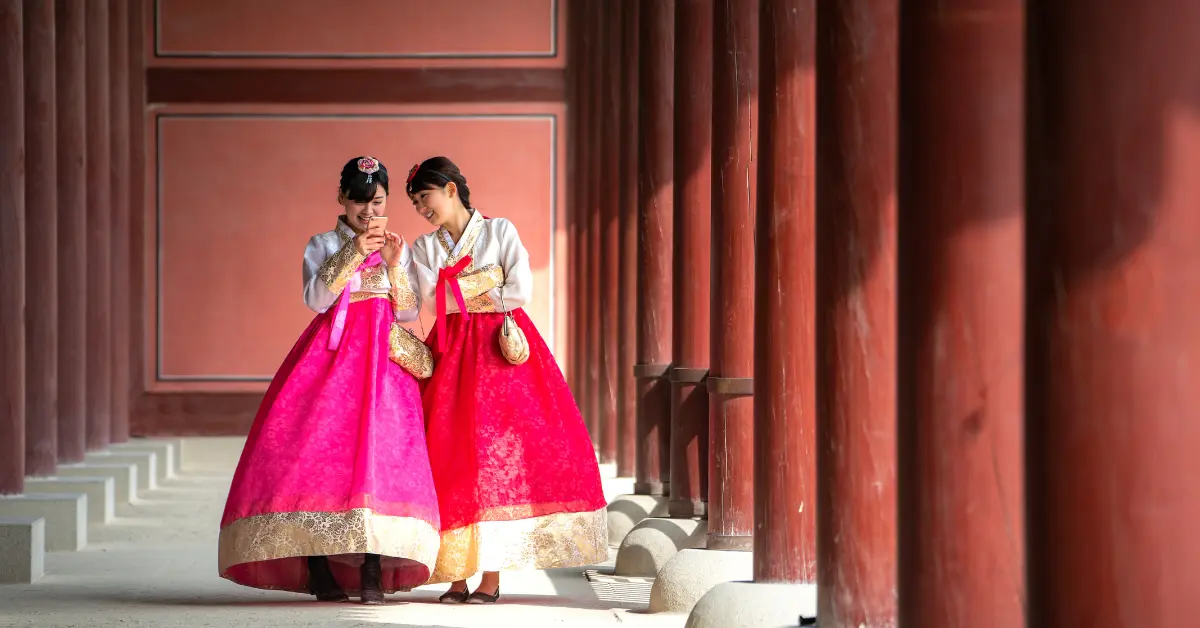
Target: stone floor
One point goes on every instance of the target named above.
(155, 565)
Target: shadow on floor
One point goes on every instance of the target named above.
(184, 600)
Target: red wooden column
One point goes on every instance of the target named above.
(595, 191)
(785, 470)
(610, 227)
(627, 434)
(1113, 351)
(70, 96)
(121, 243)
(656, 72)
(960, 309)
(137, 201)
(12, 251)
(575, 56)
(731, 344)
(856, 312)
(693, 225)
(584, 63)
(99, 231)
(41, 242)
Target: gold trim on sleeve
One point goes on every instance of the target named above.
(402, 295)
(336, 272)
(478, 282)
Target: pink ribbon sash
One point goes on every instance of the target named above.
(343, 304)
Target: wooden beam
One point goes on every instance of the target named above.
(359, 85)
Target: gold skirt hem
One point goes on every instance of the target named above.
(292, 534)
(569, 539)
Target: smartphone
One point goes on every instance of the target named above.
(377, 223)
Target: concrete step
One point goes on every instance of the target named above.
(101, 493)
(22, 549)
(167, 452)
(125, 477)
(65, 515)
(146, 462)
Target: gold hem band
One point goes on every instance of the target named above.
(290, 534)
(569, 539)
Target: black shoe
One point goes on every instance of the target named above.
(372, 580)
(455, 597)
(321, 582)
(479, 597)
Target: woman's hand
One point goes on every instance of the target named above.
(391, 249)
(368, 242)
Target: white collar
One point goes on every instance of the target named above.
(344, 230)
(456, 247)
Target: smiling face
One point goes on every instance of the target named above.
(435, 205)
(358, 213)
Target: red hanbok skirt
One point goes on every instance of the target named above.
(517, 480)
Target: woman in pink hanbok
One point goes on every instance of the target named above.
(334, 494)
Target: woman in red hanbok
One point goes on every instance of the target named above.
(517, 480)
(333, 493)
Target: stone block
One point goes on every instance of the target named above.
(100, 490)
(654, 541)
(125, 477)
(166, 452)
(692, 573)
(22, 549)
(65, 516)
(754, 605)
(145, 461)
(626, 511)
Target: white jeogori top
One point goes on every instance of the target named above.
(331, 265)
(497, 257)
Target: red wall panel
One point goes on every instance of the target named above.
(239, 195)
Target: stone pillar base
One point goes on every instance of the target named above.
(692, 573)
(125, 477)
(753, 605)
(164, 450)
(65, 517)
(100, 491)
(146, 462)
(22, 550)
(626, 511)
(654, 541)
(177, 444)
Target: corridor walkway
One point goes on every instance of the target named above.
(155, 565)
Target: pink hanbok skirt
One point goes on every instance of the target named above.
(335, 465)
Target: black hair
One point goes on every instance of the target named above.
(360, 186)
(436, 172)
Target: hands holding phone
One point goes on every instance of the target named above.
(373, 238)
(377, 238)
